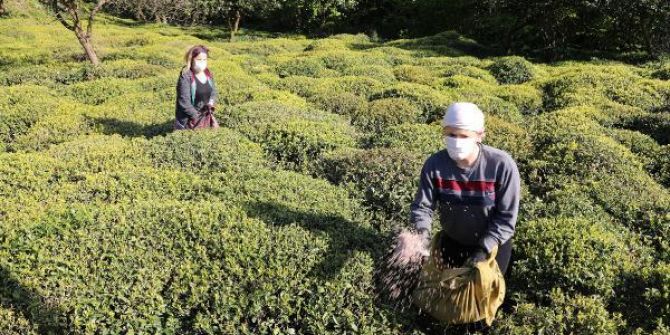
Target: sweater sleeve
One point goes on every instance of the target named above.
(423, 206)
(503, 222)
(184, 97)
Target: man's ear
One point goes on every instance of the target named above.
(481, 136)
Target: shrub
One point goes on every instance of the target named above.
(343, 103)
(97, 153)
(21, 107)
(308, 87)
(326, 44)
(305, 66)
(293, 136)
(98, 91)
(386, 179)
(654, 156)
(512, 70)
(509, 137)
(415, 74)
(383, 113)
(526, 98)
(645, 288)
(430, 101)
(592, 84)
(575, 149)
(495, 106)
(483, 94)
(65, 123)
(662, 73)
(656, 125)
(376, 72)
(468, 71)
(207, 150)
(341, 60)
(565, 315)
(577, 255)
(420, 138)
(13, 324)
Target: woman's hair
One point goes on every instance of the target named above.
(193, 52)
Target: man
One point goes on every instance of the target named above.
(477, 188)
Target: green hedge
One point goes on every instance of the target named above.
(385, 112)
(591, 84)
(574, 149)
(512, 70)
(384, 178)
(646, 288)
(217, 150)
(415, 74)
(306, 66)
(431, 102)
(378, 72)
(578, 255)
(427, 139)
(343, 103)
(656, 158)
(420, 138)
(564, 315)
(656, 125)
(292, 136)
(63, 124)
(22, 106)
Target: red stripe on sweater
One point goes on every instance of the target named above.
(457, 185)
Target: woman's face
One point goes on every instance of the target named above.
(199, 62)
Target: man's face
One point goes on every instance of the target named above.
(461, 133)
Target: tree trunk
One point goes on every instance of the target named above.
(85, 42)
(2, 8)
(234, 23)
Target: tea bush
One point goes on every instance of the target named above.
(656, 125)
(292, 136)
(112, 223)
(564, 315)
(419, 138)
(578, 255)
(512, 70)
(386, 112)
(207, 150)
(385, 178)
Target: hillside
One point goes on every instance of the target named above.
(110, 223)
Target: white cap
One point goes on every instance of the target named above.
(464, 115)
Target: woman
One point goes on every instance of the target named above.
(196, 92)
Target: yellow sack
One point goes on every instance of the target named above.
(459, 295)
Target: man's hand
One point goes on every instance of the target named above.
(479, 255)
(425, 244)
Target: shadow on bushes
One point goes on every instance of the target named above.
(345, 236)
(110, 126)
(29, 305)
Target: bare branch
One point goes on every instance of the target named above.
(98, 6)
(62, 20)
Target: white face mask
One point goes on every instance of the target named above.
(199, 65)
(460, 148)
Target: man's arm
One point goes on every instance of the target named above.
(503, 222)
(421, 210)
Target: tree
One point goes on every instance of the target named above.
(70, 14)
(234, 10)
